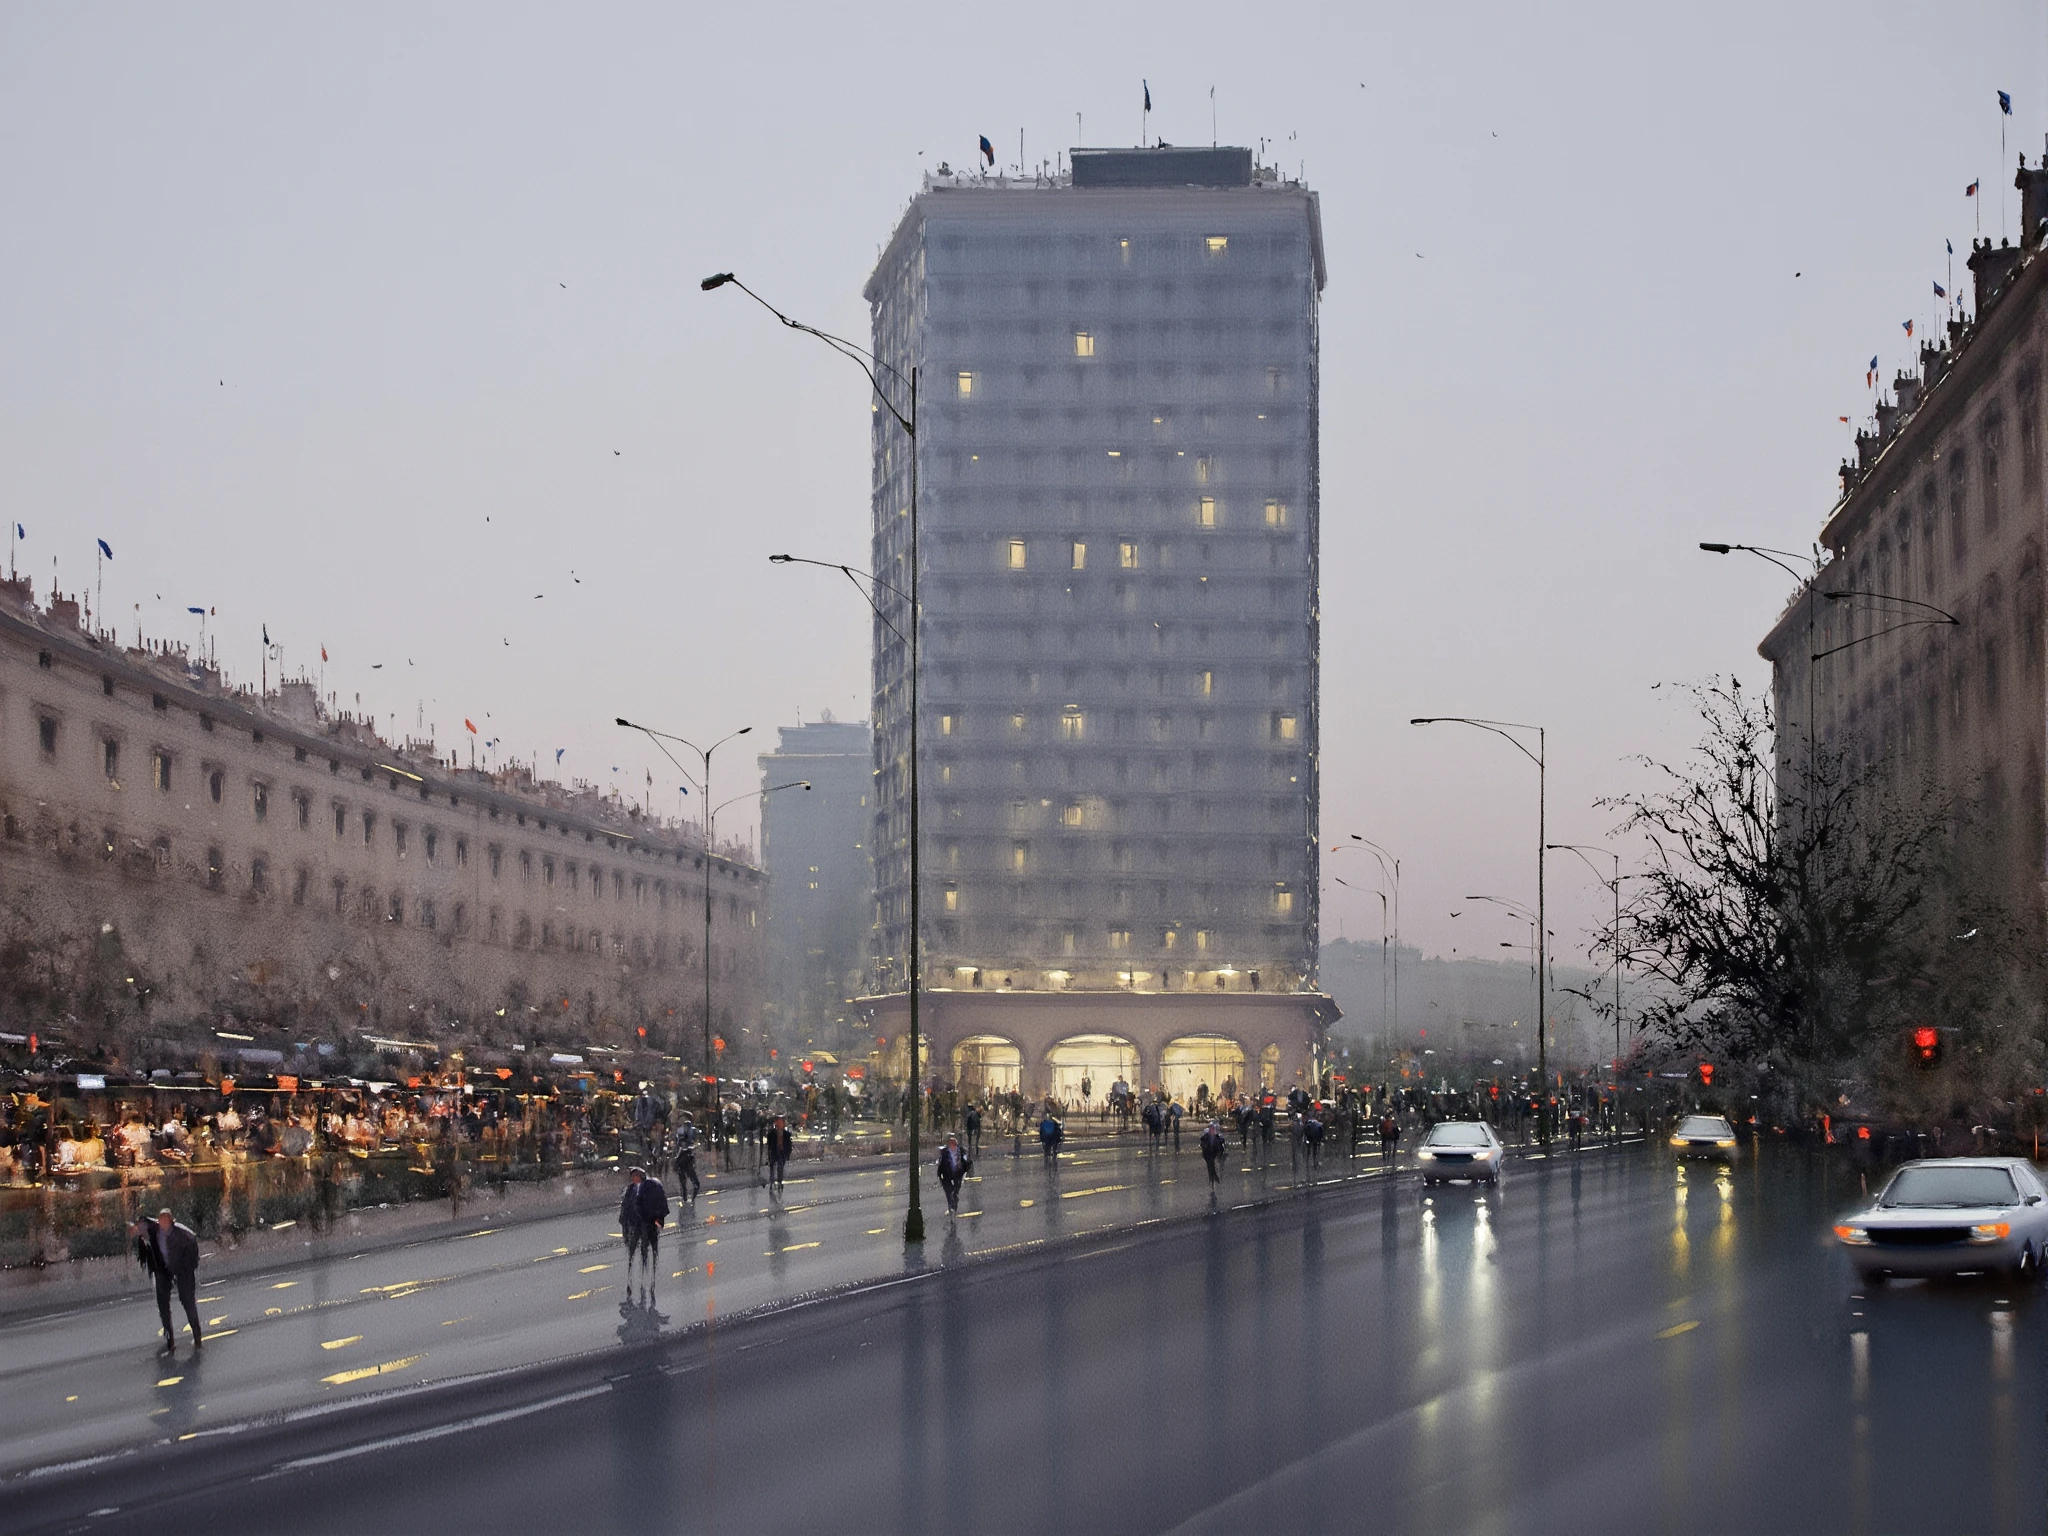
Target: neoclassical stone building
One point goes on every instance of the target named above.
(1927, 614)
(176, 854)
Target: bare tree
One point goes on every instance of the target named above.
(1802, 922)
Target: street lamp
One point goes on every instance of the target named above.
(1585, 852)
(1390, 867)
(906, 419)
(1385, 1027)
(704, 794)
(1501, 728)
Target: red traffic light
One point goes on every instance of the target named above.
(1707, 1074)
(1927, 1044)
(808, 1067)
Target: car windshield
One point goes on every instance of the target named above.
(1457, 1136)
(1933, 1185)
(1705, 1125)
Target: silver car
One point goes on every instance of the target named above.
(1704, 1136)
(1952, 1216)
(1459, 1149)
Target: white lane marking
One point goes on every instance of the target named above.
(421, 1436)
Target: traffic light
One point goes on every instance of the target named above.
(1706, 1074)
(1927, 1045)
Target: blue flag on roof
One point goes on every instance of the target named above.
(1940, 292)
(1873, 365)
(988, 150)
(1951, 246)
(20, 532)
(1148, 94)
(196, 610)
(558, 755)
(2005, 103)
(106, 549)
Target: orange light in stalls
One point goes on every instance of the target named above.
(773, 1054)
(1863, 1133)
(504, 1074)
(718, 1042)
(807, 1067)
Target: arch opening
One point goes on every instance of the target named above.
(1194, 1062)
(987, 1064)
(1099, 1060)
(1269, 1069)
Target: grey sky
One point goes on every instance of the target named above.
(284, 320)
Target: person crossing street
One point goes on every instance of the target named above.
(169, 1250)
(1214, 1143)
(780, 1145)
(953, 1166)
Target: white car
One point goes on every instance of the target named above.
(1952, 1216)
(1459, 1149)
(1704, 1136)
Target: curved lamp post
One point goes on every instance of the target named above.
(703, 783)
(1502, 729)
(905, 418)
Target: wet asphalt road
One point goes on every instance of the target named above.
(83, 1380)
(1607, 1343)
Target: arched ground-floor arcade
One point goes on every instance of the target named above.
(1074, 1045)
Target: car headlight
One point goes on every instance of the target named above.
(1990, 1231)
(1424, 1152)
(1678, 1141)
(1853, 1235)
(1724, 1141)
(1484, 1152)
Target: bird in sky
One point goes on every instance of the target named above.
(376, 666)
(615, 453)
(1457, 914)
(561, 285)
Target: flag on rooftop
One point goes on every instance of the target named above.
(266, 634)
(200, 611)
(20, 532)
(558, 755)
(1969, 191)
(1940, 292)
(323, 653)
(2005, 103)
(1908, 325)
(106, 549)
(1148, 94)
(470, 726)
(1951, 246)
(1843, 419)
(988, 150)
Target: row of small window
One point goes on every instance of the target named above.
(967, 381)
(1281, 725)
(1016, 553)
(1279, 903)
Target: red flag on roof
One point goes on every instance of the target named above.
(470, 726)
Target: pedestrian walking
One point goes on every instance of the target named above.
(1214, 1142)
(632, 1218)
(653, 1216)
(953, 1166)
(169, 1250)
(1050, 1134)
(780, 1145)
(1312, 1129)
(688, 1185)
(973, 1130)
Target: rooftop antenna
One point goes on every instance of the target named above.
(1079, 137)
(1212, 117)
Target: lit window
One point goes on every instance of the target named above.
(1016, 554)
(1119, 938)
(965, 381)
(1276, 514)
(952, 898)
(1084, 343)
(1073, 725)
(1080, 555)
(1205, 683)
(1283, 903)
(1205, 512)
(945, 725)
(1067, 942)
(1201, 471)
(1019, 855)
(1168, 939)
(1218, 244)
(1201, 938)
(1124, 251)
(1286, 727)
(1071, 816)
(1018, 722)
(1127, 555)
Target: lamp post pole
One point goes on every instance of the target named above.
(1389, 863)
(1501, 728)
(704, 790)
(906, 419)
(1585, 853)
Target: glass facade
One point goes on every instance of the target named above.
(1117, 536)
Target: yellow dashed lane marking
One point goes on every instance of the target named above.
(1102, 1189)
(591, 1269)
(354, 1338)
(284, 1285)
(170, 1381)
(343, 1378)
(1677, 1328)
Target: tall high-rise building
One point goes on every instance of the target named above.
(1118, 509)
(821, 891)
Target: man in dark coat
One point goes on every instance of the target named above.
(169, 1250)
(780, 1145)
(952, 1169)
(1213, 1145)
(652, 1201)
